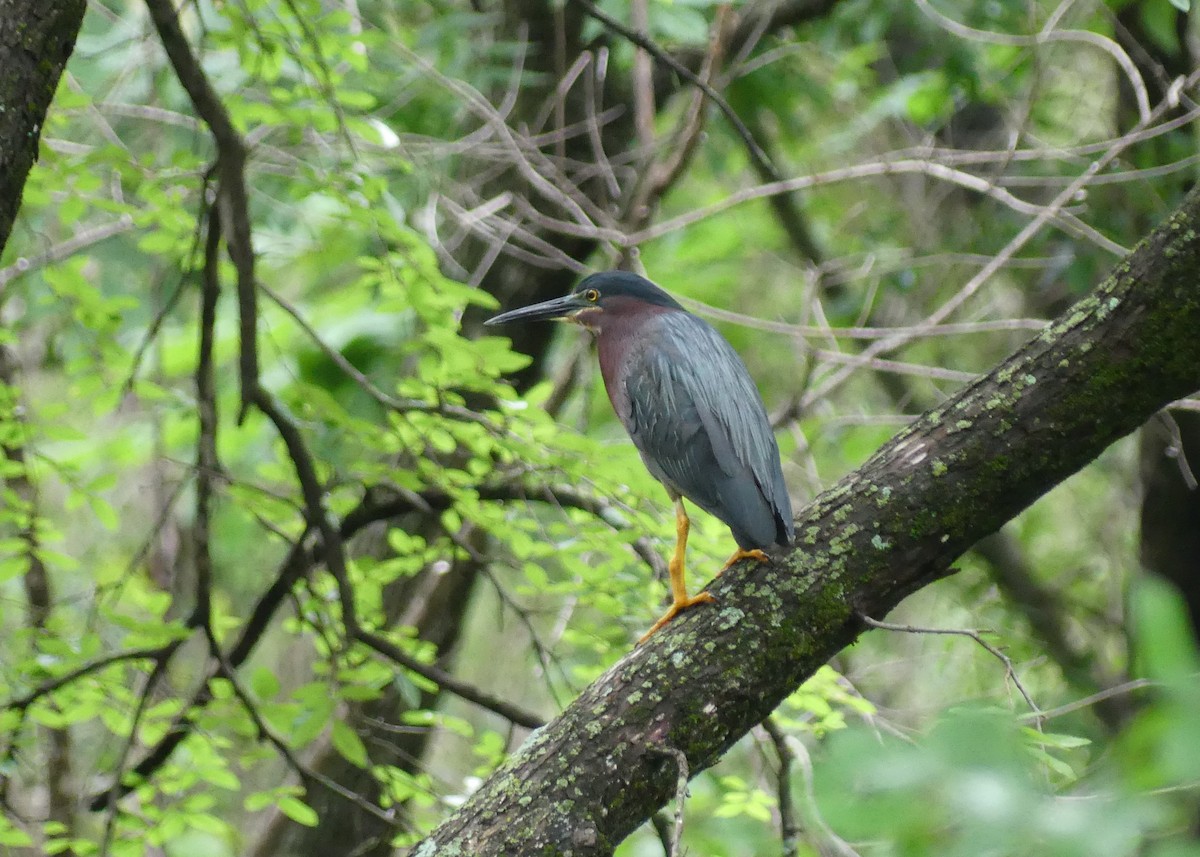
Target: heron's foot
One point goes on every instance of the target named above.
(739, 555)
(677, 608)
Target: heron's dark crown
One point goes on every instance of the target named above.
(613, 284)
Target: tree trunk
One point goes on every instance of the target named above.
(36, 38)
(593, 775)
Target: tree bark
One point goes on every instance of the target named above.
(585, 781)
(36, 38)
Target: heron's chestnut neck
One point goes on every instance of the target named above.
(619, 329)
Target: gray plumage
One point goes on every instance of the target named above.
(686, 399)
(699, 423)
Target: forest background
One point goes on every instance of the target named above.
(294, 555)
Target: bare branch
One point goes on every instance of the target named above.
(789, 826)
(81, 240)
(1048, 34)
(661, 175)
(998, 261)
(1175, 449)
(681, 791)
(207, 462)
(975, 635)
(662, 56)
(231, 171)
(445, 680)
(1122, 689)
(901, 166)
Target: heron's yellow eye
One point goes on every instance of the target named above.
(591, 295)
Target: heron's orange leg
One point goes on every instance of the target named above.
(679, 596)
(739, 555)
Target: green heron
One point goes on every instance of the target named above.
(689, 405)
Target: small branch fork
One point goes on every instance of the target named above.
(792, 754)
(661, 175)
(975, 635)
(232, 197)
(760, 158)
(681, 791)
(109, 804)
(789, 826)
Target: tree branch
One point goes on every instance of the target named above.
(207, 462)
(595, 773)
(761, 159)
(789, 826)
(231, 191)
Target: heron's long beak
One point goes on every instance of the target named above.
(552, 310)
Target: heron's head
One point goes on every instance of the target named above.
(597, 298)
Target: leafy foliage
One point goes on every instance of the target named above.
(375, 161)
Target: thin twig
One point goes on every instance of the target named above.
(1047, 214)
(643, 41)
(975, 635)
(307, 775)
(336, 357)
(659, 176)
(832, 842)
(65, 249)
(446, 681)
(642, 78)
(545, 656)
(168, 306)
(1046, 35)
(789, 826)
(157, 653)
(1176, 450)
(681, 790)
(110, 821)
(531, 163)
(1053, 212)
(1090, 700)
(1047, 616)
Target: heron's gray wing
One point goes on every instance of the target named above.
(699, 422)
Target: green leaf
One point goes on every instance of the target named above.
(13, 837)
(298, 811)
(1165, 647)
(256, 801)
(348, 744)
(264, 683)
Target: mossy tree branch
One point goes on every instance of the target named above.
(585, 781)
